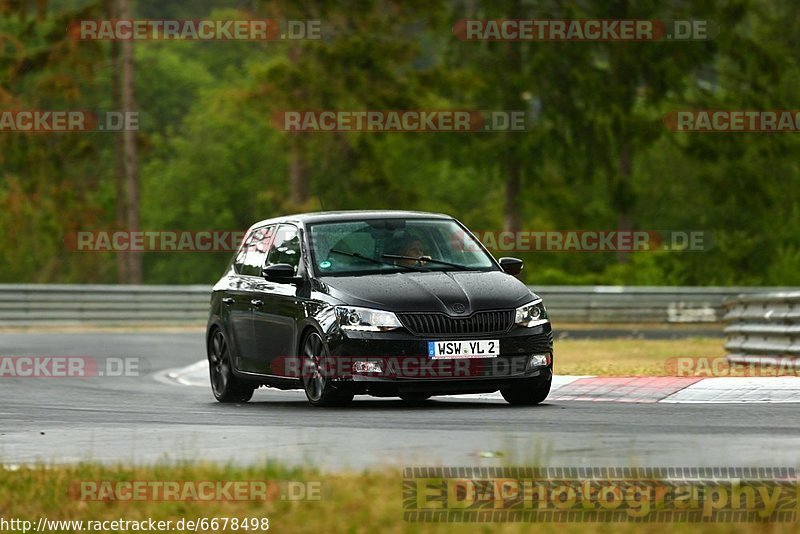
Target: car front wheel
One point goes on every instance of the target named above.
(527, 392)
(316, 381)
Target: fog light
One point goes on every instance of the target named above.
(367, 367)
(539, 360)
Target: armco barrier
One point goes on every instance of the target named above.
(763, 327)
(75, 304)
(39, 304)
(636, 304)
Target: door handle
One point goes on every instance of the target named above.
(228, 301)
(257, 303)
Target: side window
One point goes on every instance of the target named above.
(238, 263)
(285, 247)
(253, 254)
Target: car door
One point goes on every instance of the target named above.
(279, 308)
(241, 297)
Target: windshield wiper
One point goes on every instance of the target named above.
(375, 260)
(427, 259)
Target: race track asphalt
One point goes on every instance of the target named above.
(141, 419)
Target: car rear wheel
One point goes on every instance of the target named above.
(527, 392)
(317, 385)
(226, 386)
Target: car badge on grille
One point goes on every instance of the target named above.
(458, 308)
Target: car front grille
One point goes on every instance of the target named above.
(483, 322)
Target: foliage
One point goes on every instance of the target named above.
(212, 158)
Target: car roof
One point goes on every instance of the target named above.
(348, 215)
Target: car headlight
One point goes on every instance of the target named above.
(531, 314)
(365, 319)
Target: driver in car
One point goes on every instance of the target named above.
(410, 246)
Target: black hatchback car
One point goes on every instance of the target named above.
(384, 303)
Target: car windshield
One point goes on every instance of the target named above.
(394, 245)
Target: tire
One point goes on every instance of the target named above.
(226, 386)
(414, 397)
(527, 392)
(319, 389)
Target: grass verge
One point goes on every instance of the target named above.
(630, 357)
(349, 502)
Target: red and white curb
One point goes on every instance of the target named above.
(636, 389)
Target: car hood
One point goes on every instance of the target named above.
(447, 292)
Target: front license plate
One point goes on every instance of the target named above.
(442, 350)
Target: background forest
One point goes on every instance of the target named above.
(598, 155)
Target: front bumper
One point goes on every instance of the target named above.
(406, 368)
(384, 387)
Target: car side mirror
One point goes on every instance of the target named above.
(279, 272)
(511, 265)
